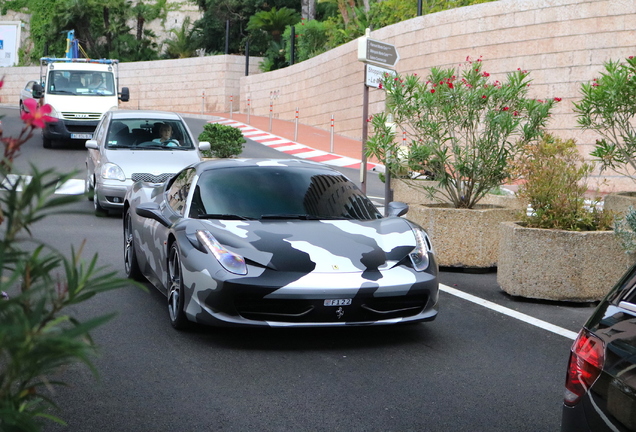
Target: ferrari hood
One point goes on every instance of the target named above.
(317, 246)
(152, 161)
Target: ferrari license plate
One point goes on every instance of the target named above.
(81, 136)
(338, 302)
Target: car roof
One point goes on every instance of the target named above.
(144, 114)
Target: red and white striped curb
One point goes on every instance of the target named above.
(295, 149)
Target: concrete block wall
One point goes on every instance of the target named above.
(190, 85)
(562, 43)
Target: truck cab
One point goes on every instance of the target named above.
(79, 92)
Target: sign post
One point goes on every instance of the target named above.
(379, 58)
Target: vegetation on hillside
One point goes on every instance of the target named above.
(119, 28)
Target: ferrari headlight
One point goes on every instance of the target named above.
(419, 255)
(229, 260)
(110, 171)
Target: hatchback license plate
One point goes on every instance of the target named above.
(81, 136)
(338, 302)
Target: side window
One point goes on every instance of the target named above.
(100, 130)
(178, 191)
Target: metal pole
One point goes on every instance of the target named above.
(292, 43)
(271, 111)
(331, 137)
(365, 132)
(247, 57)
(419, 7)
(227, 37)
(296, 127)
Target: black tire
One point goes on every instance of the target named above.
(131, 266)
(88, 189)
(176, 307)
(47, 143)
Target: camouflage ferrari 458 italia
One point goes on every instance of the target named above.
(277, 243)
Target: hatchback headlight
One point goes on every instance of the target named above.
(229, 260)
(110, 171)
(419, 255)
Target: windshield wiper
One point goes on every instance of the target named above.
(223, 216)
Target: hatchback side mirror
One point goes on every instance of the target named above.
(204, 145)
(91, 144)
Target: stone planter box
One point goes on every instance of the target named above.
(412, 192)
(462, 237)
(619, 202)
(559, 265)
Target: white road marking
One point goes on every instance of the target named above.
(509, 312)
(70, 187)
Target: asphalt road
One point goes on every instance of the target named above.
(472, 369)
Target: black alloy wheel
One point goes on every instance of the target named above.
(175, 290)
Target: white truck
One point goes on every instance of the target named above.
(80, 91)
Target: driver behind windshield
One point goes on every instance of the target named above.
(165, 136)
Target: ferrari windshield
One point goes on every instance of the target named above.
(280, 192)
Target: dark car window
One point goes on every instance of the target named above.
(280, 192)
(178, 191)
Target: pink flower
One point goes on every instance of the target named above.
(36, 116)
(380, 86)
(505, 108)
(483, 96)
(557, 99)
(485, 74)
(450, 85)
(432, 90)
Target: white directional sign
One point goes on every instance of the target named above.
(376, 52)
(375, 75)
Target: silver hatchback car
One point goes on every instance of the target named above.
(128, 146)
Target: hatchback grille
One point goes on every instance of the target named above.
(151, 178)
(81, 116)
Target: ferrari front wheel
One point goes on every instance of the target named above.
(175, 291)
(130, 256)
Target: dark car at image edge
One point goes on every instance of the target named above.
(600, 393)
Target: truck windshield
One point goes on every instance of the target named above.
(77, 82)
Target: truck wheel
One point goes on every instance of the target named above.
(47, 143)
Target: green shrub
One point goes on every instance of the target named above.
(311, 40)
(555, 184)
(225, 141)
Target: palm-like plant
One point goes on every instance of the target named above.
(184, 41)
(273, 21)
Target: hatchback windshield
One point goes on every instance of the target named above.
(148, 134)
(280, 193)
